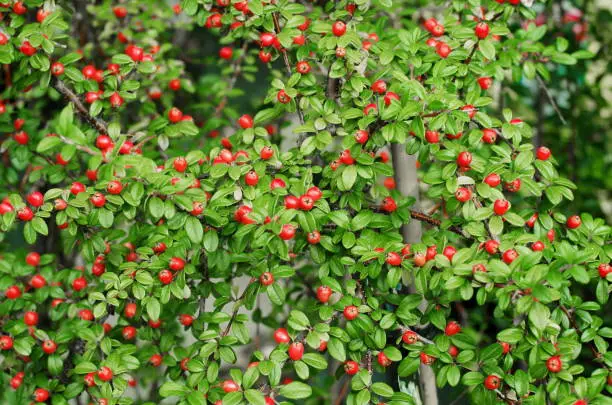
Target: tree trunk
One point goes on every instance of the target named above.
(406, 180)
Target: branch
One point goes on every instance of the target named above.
(421, 216)
(574, 324)
(277, 29)
(551, 99)
(96, 123)
(236, 68)
(235, 312)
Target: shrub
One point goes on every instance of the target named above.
(146, 178)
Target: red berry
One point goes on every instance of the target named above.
(464, 159)
(135, 53)
(292, 202)
(21, 137)
(389, 97)
(27, 49)
(443, 50)
(176, 264)
(463, 194)
(513, 186)
(114, 187)
(554, 364)
(437, 30)
(603, 269)
(281, 336)
(505, 347)
(296, 351)
(453, 351)
(306, 203)
(351, 367)
(266, 278)
(38, 281)
(130, 310)
(174, 84)
(229, 386)
(379, 86)
(129, 332)
(165, 276)
(509, 256)
(482, 30)
(339, 28)
(383, 360)
(6, 343)
(33, 259)
(313, 237)
(351, 312)
(393, 259)
(303, 67)
(287, 232)
(186, 319)
(266, 152)
(77, 188)
(491, 246)
(175, 115)
(432, 136)
(105, 374)
(14, 292)
(98, 199)
(574, 222)
(449, 252)
(389, 183)
(245, 121)
(537, 246)
(388, 204)
(543, 153)
(30, 318)
(493, 180)
(25, 214)
(226, 52)
(361, 136)
(500, 207)
(155, 360)
(452, 328)
(489, 135)
(251, 178)
(484, 82)
(409, 337)
(86, 315)
(79, 283)
(324, 293)
(283, 97)
(57, 69)
(120, 12)
(41, 395)
(315, 193)
(492, 382)
(427, 359)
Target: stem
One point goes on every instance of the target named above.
(277, 29)
(551, 99)
(96, 123)
(404, 167)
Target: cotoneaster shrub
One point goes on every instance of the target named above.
(137, 188)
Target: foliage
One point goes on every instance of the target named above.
(139, 222)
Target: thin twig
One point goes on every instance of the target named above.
(96, 123)
(235, 312)
(551, 99)
(298, 109)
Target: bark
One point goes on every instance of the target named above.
(406, 180)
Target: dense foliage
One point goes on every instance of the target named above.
(136, 194)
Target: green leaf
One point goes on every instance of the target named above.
(335, 347)
(382, 389)
(173, 389)
(194, 229)
(487, 48)
(153, 308)
(296, 390)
